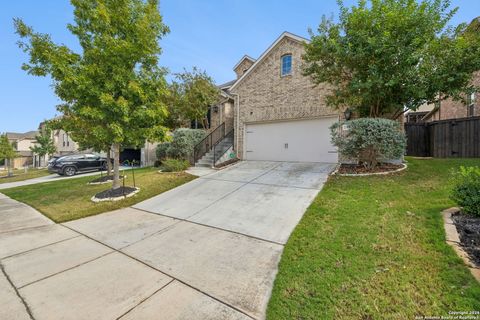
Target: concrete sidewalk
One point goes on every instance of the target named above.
(208, 249)
(49, 178)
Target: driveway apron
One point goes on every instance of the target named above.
(207, 249)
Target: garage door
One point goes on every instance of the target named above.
(301, 140)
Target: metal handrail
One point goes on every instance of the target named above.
(215, 158)
(208, 142)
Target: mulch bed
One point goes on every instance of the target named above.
(360, 169)
(103, 179)
(468, 228)
(113, 193)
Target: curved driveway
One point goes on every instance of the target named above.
(207, 249)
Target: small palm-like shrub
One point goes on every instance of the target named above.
(175, 165)
(466, 190)
(369, 140)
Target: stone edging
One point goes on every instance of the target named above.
(369, 174)
(454, 241)
(96, 200)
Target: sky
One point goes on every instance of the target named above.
(210, 34)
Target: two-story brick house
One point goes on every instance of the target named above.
(277, 113)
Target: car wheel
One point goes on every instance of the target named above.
(104, 166)
(69, 171)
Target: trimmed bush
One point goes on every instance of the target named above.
(182, 144)
(369, 140)
(163, 150)
(466, 190)
(175, 165)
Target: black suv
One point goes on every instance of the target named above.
(71, 164)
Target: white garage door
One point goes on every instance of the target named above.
(300, 140)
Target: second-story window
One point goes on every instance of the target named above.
(286, 65)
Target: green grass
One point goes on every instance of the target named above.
(69, 199)
(374, 248)
(20, 175)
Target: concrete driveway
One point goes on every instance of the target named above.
(208, 249)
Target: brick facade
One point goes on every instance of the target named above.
(453, 109)
(244, 65)
(264, 95)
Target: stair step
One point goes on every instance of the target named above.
(203, 165)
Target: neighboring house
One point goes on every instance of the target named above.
(449, 108)
(22, 143)
(65, 145)
(276, 112)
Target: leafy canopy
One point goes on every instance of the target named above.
(113, 90)
(191, 94)
(7, 151)
(387, 56)
(44, 143)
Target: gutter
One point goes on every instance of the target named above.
(237, 107)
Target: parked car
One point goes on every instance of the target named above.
(72, 164)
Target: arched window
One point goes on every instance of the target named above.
(286, 65)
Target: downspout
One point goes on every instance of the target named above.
(237, 130)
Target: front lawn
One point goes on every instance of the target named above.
(374, 248)
(69, 199)
(20, 175)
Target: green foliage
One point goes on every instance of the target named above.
(163, 150)
(113, 91)
(387, 55)
(182, 144)
(175, 165)
(190, 96)
(44, 143)
(369, 140)
(7, 152)
(466, 189)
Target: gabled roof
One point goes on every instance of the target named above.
(226, 85)
(21, 136)
(247, 57)
(273, 45)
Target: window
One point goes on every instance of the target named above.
(471, 104)
(286, 65)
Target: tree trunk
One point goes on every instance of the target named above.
(116, 165)
(109, 161)
(9, 167)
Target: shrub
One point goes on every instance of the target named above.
(466, 190)
(182, 144)
(369, 140)
(175, 165)
(163, 150)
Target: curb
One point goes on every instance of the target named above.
(453, 240)
(405, 166)
(96, 200)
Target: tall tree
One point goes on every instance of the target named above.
(7, 153)
(384, 57)
(113, 89)
(44, 143)
(191, 94)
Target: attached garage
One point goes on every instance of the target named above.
(297, 140)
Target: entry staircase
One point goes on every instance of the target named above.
(208, 151)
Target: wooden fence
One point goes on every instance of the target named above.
(459, 138)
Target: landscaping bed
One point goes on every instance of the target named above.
(360, 169)
(374, 248)
(70, 199)
(468, 228)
